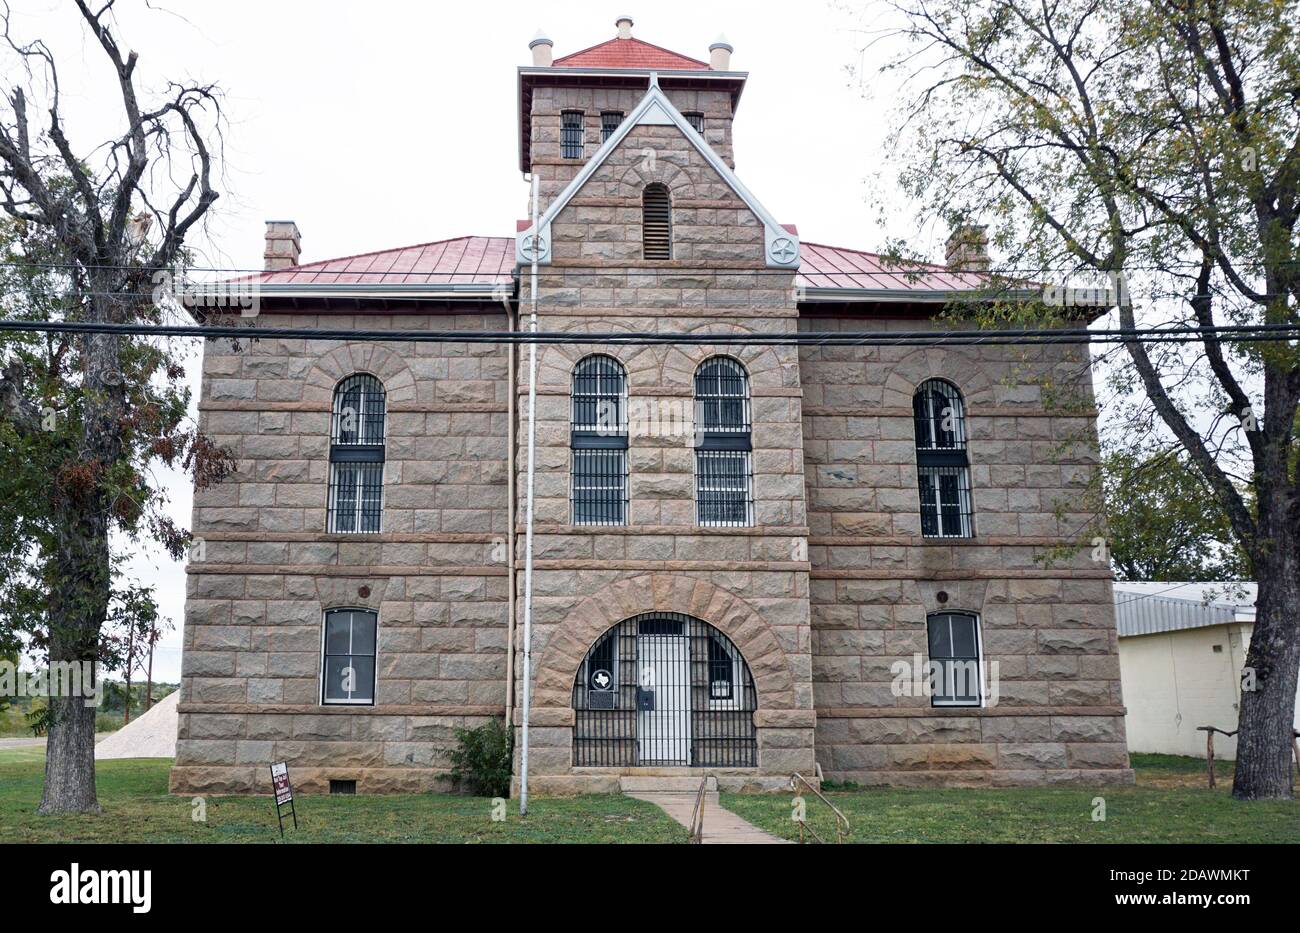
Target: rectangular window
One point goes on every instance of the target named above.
(609, 122)
(945, 501)
(348, 668)
(696, 120)
(356, 496)
(600, 485)
(955, 659)
(571, 134)
(723, 479)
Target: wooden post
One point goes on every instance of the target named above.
(1209, 755)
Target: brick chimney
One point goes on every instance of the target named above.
(968, 248)
(720, 54)
(283, 245)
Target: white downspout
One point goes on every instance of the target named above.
(528, 515)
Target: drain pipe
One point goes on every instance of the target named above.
(528, 517)
(511, 441)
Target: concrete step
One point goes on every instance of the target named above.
(664, 784)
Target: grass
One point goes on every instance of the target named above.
(1170, 803)
(137, 808)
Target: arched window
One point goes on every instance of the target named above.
(957, 674)
(356, 492)
(656, 222)
(664, 689)
(942, 464)
(724, 474)
(598, 440)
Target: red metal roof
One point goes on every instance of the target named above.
(491, 259)
(836, 267)
(629, 53)
(466, 259)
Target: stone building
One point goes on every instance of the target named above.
(749, 556)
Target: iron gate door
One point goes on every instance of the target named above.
(663, 726)
(664, 689)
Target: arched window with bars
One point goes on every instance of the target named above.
(942, 463)
(356, 490)
(724, 473)
(656, 222)
(598, 442)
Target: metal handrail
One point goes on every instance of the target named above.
(697, 815)
(842, 828)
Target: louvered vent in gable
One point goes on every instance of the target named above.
(656, 223)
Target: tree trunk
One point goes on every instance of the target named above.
(1266, 722)
(70, 758)
(130, 663)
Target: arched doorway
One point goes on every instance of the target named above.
(664, 689)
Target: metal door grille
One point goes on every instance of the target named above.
(656, 222)
(664, 689)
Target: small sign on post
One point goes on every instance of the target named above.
(283, 794)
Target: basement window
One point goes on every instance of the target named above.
(343, 787)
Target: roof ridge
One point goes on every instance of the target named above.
(391, 249)
(559, 61)
(938, 267)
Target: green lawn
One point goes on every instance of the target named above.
(1169, 804)
(137, 808)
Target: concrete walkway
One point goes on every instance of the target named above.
(721, 827)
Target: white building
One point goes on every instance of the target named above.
(1182, 647)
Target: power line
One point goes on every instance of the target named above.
(1022, 336)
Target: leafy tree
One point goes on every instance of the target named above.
(84, 417)
(1151, 146)
(1162, 523)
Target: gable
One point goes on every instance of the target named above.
(780, 247)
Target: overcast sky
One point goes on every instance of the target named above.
(382, 124)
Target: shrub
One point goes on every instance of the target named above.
(481, 761)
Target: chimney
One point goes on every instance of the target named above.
(720, 54)
(283, 245)
(968, 248)
(542, 47)
(624, 24)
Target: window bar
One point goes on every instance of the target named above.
(571, 134)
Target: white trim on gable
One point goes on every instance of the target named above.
(781, 247)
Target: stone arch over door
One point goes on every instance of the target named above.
(624, 599)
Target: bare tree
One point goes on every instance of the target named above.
(1156, 143)
(96, 231)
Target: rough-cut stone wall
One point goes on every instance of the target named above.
(265, 570)
(752, 582)
(1049, 628)
(550, 102)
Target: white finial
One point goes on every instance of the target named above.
(720, 54)
(624, 24)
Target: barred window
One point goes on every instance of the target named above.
(942, 462)
(656, 222)
(610, 120)
(356, 489)
(724, 474)
(348, 666)
(598, 442)
(956, 672)
(571, 134)
(696, 120)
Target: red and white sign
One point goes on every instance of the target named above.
(280, 782)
